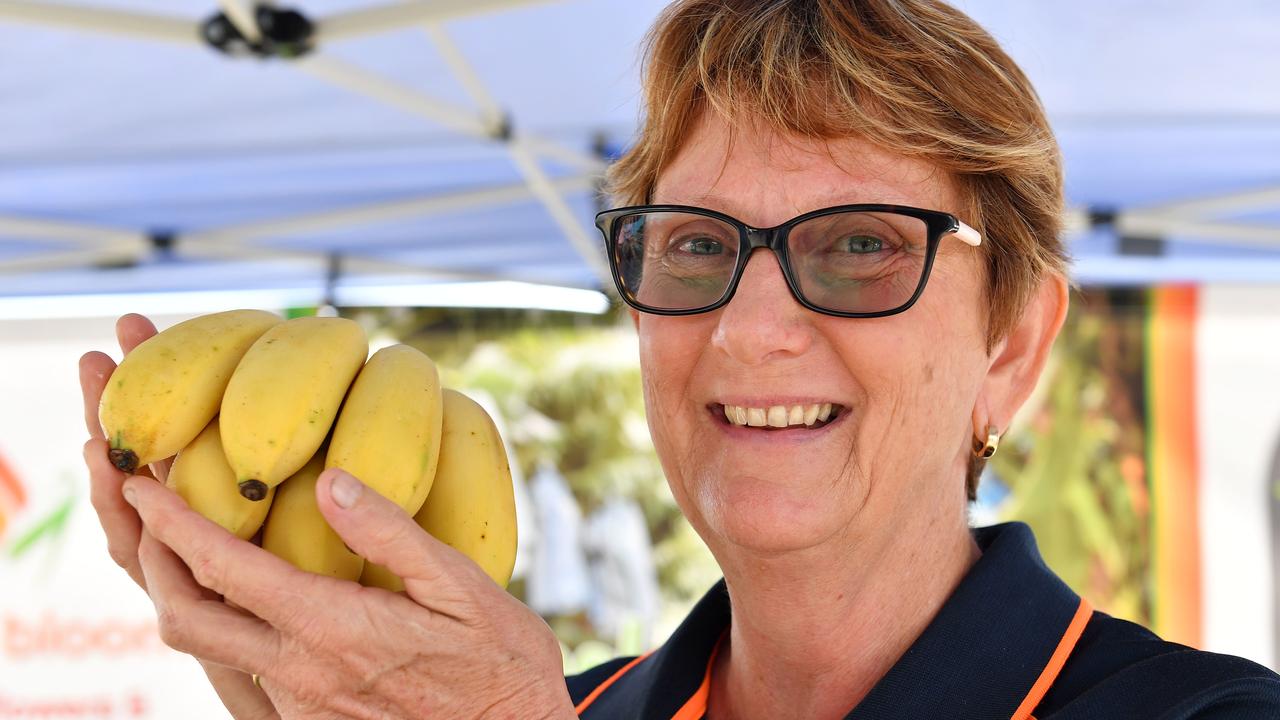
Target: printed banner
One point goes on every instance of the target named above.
(77, 638)
(1238, 408)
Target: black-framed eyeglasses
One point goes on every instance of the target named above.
(864, 260)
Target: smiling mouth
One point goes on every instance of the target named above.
(779, 417)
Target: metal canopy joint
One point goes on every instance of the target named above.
(282, 33)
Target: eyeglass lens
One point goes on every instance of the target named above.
(851, 262)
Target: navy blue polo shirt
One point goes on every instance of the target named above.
(1012, 641)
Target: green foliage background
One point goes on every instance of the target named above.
(1074, 461)
(569, 389)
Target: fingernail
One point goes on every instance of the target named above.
(127, 492)
(345, 489)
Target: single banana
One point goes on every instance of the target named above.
(379, 576)
(296, 531)
(201, 475)
(170, 386)
(472, 505)
(388, 432)
(284, 395)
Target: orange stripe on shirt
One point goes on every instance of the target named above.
(1056, 661)
(586, 701)
(696, 706)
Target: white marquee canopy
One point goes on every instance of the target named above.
(402, 144)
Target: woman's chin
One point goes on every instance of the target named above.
(768, 517)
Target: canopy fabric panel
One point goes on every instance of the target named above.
(134, 155)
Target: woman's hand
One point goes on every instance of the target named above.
(454, 645)
(120, 522)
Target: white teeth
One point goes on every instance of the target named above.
(778, 416)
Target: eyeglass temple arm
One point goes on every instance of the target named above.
(967, 235)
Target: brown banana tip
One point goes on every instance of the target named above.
(254, 490)
(124, 460)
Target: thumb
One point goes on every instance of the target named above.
(381, 531)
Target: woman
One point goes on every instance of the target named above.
(822, 409)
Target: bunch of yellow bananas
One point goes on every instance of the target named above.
(256, 407)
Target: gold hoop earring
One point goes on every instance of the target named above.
(985, 449)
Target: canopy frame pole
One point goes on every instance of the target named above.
(92, 243)
(359, 81)
(173, 29)
(521, 155)
(70, 258)
(1140, 223)
(351, 263)
(117, 245)
(149, 26)
(1261, 198)
(242, 16)
(1074, 220)
(560, 153)
(398, 15)
(465, 74)
(560, 211)
(77, 232)
(362, 82)
(378, 212)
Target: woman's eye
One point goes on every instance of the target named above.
(702, 246)
(860, 244)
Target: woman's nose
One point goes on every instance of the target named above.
(763, 321)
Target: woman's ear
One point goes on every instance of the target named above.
(1018, 358)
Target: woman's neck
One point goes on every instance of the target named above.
(812, 643)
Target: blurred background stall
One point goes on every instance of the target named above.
(431, 169)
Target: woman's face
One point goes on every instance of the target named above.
(904, 385)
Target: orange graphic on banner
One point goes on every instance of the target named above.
(12, 495)
(1174, 462)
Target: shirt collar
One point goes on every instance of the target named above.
(978, 657)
